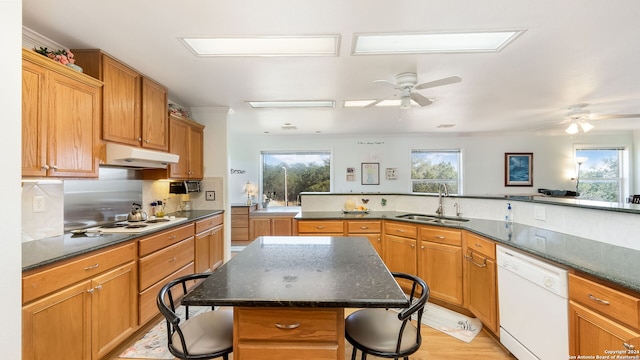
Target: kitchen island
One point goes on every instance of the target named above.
(289, 294)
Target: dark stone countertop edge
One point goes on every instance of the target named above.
(301, 303)
(116, 239)
(487, 228)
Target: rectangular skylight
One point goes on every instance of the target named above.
(292, 104)
(418, 43)
(317, 45)
(383, 103)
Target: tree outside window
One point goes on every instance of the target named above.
(429, 168)
(600, 174)
(295, 171)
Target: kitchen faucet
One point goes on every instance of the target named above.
(442, 191)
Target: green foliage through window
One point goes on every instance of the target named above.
(429, 168)
(306, 171)
(600, 174)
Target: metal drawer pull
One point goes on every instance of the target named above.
(287, 326)
(439, 237)
(90, 291)
(400, 230)
(477, 245)
(470, 258)
(173, 259)
(172, 237)
(628, 346)
(319, 227)
(364, 227)
(603, 302)
(98, 287)
(94, 266)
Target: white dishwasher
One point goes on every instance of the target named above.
(532, 297)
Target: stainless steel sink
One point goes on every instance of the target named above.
(432, 219)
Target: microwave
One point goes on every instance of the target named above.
(184, 187)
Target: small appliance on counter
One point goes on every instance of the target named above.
(184, 187)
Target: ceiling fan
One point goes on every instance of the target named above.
(579, 115)
(407, 83)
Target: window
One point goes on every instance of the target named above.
(599, 173)
(429, 168)
(285, 174)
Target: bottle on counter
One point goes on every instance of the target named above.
(508, 217)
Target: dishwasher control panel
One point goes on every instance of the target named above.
(541, 273)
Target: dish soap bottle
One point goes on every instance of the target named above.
(509, 215)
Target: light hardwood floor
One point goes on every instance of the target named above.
(435, 346)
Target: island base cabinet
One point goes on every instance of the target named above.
(288, 333)
(592, 334)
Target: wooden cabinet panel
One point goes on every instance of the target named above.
(160, 264)
(155, 120)
(147, 298)
(270, 226)
(441, 235)
(480, 282)
(208, 223)
(57, 327)
(208, 249)
(482, 246)
(401, 229)
(164, 239)
(260, 227)
(440, 266)
(196, 151)
(282, 226)
(364, 227)
(61, 116)
(400, 254)
(240, 224)
(326, 227)
(593, 334)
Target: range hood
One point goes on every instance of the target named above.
(129, 156)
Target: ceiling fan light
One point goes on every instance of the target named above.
(405, 103)
(586, 126)
(572, 129)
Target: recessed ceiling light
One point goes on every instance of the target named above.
(317, 45)
(292, 104)
(417, 43)
(383, 103)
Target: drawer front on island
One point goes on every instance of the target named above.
(288, 333)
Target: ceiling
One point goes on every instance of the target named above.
(573, 51)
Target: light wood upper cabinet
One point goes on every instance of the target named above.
(186, 140)
(135, 110)
(61, 117)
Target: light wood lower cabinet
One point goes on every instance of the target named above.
(440, 263)
(400, 249)
(372, 230)
(209, 244)
(480, 280)
(84, 320)
(288, 333)
(602, 320)
(270, 226)
(320, 228)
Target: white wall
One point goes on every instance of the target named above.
(483, 159)
(10, 256)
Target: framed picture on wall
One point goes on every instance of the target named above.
(392, 174)
(518, 169)
(370, 173)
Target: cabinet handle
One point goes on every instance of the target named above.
(287, 326)
(470, 258)
(364, 227)
(90, 291)
(628, 346)
(147, 141)
(98, 287)
(412, 246)
(400, 230)
(44, 167)
(172, 237)
(440, 237)
(422, 247)
(94, 266)
(139, 139)
(319, 227)
(477, 245)
(598, 300)
(173, 259)
(54, 167)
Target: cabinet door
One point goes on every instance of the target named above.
(482, 294)
(74, 117)
(593, 334)
(400, 255)
(217, 247)
(281, 226)
(440, 266)
(203, 251)
(34, 98)
(196, 162)
(58, 326)
(259, 227)
(121, 113)
(155, 119)
(179, 144)
(114, 308)
(375, 240)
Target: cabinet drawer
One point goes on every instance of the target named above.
(401, 229)
(610, 302)
(43, 282)
(333, 226)
(280, 351)
(164, 239)
(162, 263)
(240, 210)
(147, 299)
(480, 245)
(276, 324)
(364, 227)
(440, 235)
(240, 234)
(208, 223)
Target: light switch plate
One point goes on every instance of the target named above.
(38, 204)
(210, 195)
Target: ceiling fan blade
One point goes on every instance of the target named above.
(614, 116)
(386, 83)
(445, 81)
(421, 100)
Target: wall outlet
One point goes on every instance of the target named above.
(539, 213)
(210, 195)
(38, 204)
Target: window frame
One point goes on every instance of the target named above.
(623, 169)
(460, 177)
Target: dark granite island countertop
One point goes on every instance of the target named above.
(281, 271)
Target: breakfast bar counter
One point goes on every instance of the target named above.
(289, 294)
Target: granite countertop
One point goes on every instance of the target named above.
(41, 252)
(276, 211)
(281, 271)
(615, 264)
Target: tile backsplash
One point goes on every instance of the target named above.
(39, 225)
